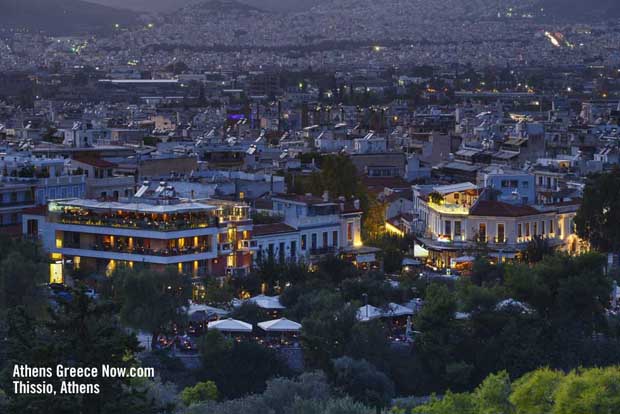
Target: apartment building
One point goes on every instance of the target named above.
(313, 227)
(462, 220)
(154, 228)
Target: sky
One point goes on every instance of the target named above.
(166, 5)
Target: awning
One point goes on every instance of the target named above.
(280, 325)
(463, 259)
(419, 251)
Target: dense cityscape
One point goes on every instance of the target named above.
(342, 207)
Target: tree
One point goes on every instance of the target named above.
(492, 396)
(570, 289)
(242, 368)
(250, 313)
(440, 335)
(450, 404)
(79, 333)
(326, 333)
(369, 341)
(23, 269)
(598, 217)
(435, 197)
(537, 249)
(592, 391)
(307, 394)
(374, 219)
(151, 300)
(20, 278)
(363, 382)
(535, 391)
(486, 274)
(203, 391)
(217, 293)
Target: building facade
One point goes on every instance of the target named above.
(199, 238)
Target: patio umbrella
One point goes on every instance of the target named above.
(209, 310)
(267, 302)
(280, 325)
(198, 316)
(395, 310)
(367, 313)
(230, 325)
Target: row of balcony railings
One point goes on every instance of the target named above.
(146, 251)
(140, 222)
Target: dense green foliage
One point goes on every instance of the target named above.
(238, 368)
(151, 300)
(23, 270)
(310, 393)
(79, 333)
(202, 391)
(598, 217)
(544, 391)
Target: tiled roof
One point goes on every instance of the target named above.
(94, 161)
(499, 209)
(274, 228)
(307, 199)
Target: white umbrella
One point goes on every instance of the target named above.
(395, 310)
(230, 325)
(368, 312)
(267, 302)
(280, 325)
(209, 310)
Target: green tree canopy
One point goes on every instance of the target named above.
(79, 333)
(202, 391)
(151, 300)
(363, 382)
(598, 217)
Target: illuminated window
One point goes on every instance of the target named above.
(56, 272)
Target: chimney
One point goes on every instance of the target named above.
(326, 196)
(356, 203)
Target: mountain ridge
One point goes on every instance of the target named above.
(63, 17)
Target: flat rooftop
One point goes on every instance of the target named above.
(179, 207)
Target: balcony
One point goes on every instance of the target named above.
(500, 240)
(225, 248)
(454, 209)
(23, 203)
(143, 251)
(138, 224)
(323, 251)
(248, 245)
(136, 256)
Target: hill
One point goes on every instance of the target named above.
(170, 5)
(580, 10)
(62, 17)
